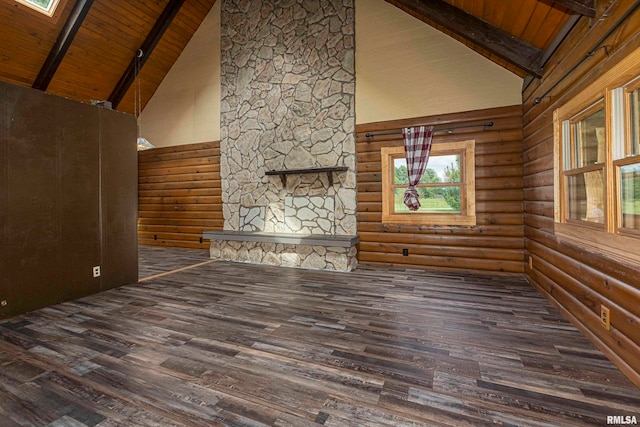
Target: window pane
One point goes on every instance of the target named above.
(442, 169)
(439, 169)
(43, 4)
(432, 200)
(589, 139)
(46, 7)
(586, 196)
(400, 171)
(635, 121)
(630, 179)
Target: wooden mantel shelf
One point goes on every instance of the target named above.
(328, 170)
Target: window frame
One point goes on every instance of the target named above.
(55, 6)
(467, 214)
(632, 86)
(628, 158)
(575, 169)
(609, 239)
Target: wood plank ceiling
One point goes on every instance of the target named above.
(515, 30)
(514, 34)
(101, 51)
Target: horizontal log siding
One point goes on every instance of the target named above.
(573, 278)
(495, 244)
(179, 194)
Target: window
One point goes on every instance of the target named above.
(627, 163)
(584, 156)
(447, 188)
(598, 164)
(48, 7)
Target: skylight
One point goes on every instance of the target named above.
(48, 7)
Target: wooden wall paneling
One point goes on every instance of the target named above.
(5, 122)
(624, 273)
(584, 37)
(445, 251)
(441, 121)
(572, 310)
(442, 239)
(573, 278)
(180, 194)
(592, 286)
(170, 188)
(557, 66)
(444, 263)
(582, 304)
(119, 170)
(496, 243)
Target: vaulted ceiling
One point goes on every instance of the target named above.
(518, 35)
(86, 61)
(88, 50)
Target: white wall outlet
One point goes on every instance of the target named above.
(96, 271)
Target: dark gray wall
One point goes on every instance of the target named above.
(68, 199)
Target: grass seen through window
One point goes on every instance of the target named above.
(439, 187)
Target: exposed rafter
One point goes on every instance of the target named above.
(62, 44)
(581, 7)
(154, 36)
(559, 38)
(521, 54)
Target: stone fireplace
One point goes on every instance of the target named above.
(287, 95)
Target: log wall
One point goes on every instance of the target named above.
(570, 276)
(179, 195)
(495, 244)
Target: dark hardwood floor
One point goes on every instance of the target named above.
(155, 261)
(238, 344)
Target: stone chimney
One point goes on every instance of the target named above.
(288, 95)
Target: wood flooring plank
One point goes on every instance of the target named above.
(229, 344)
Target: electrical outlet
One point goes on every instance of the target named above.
(530, 263)
(405, 252)
(96, 271)
(605, 317)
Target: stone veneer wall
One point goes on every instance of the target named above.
(286, 255)
(287, 95)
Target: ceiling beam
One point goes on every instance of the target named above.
(581, 7)
(559, 38)
(521, 54)
(62, 44)
(145, 50)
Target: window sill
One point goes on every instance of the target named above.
(430, 219)
(617, 247)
